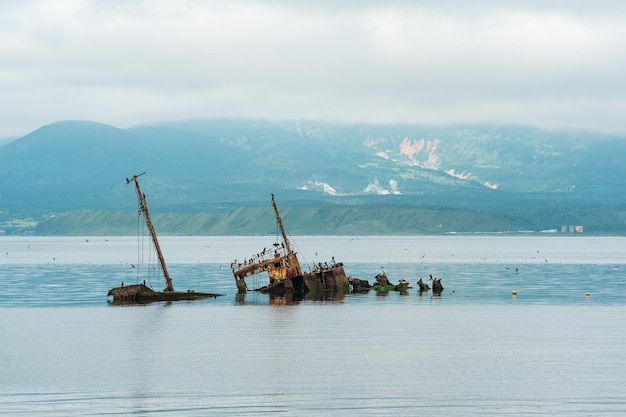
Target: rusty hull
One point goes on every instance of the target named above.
(331, 278)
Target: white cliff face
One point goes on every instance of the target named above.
(413, 152)
(461, 175)
(417, 153)
(376, 188)
(421, 152)
(320, 186)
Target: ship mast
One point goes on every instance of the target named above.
(143, 207)
(280, 224)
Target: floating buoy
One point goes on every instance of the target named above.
(514, 293)
(587, 294)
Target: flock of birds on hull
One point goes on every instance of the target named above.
(383, 283)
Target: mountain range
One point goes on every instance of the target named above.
(216, 177)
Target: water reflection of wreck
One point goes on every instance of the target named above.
(285, 273)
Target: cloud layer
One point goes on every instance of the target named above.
(134, 62)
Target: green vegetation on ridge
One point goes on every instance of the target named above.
(215, 177)
(299, 220)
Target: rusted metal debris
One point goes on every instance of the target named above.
(383, 284)
(437, 286)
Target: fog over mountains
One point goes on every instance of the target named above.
(216, 176)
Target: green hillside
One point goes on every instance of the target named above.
(332, 220)
(216, 176)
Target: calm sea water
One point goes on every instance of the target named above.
(477, 350)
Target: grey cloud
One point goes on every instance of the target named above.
(401, 61)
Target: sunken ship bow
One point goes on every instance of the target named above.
(284, 271)
(140, 293)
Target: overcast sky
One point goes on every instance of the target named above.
(133, 62)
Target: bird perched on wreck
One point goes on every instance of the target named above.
(437, 287)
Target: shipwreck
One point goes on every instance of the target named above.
(280, 263)
(141, 293)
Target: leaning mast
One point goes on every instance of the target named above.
(280, 225)
(143, 207)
